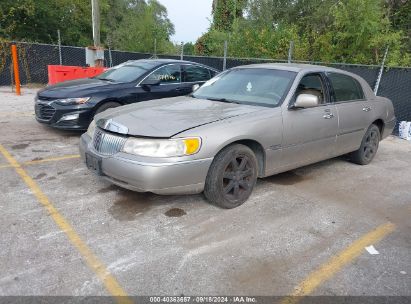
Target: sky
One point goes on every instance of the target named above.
(191, 18)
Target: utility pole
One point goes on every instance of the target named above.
(95, 17)
(59, 41)
(225, 55)
(182, 51)
(290, 51)
(377, 84)
(95, 53)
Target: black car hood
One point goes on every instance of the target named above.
(76, 88)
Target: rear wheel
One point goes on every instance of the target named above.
(231, 177)
(107, 105)
(369, 146)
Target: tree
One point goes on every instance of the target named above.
(399, 14)
(127, 24)
(361, 32)
(38, 20)
(188, 48)
(225, 12)
(352, 31)
(143, 23)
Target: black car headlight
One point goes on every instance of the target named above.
(72, 101)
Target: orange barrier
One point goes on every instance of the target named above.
(59, 73)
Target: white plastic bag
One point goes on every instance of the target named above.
(405, 130)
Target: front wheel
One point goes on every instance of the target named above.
(231, 177)
(369, 146)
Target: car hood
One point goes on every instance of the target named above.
(74, 88)
(169, 116)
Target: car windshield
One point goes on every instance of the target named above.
(254, 86)
(127, 72)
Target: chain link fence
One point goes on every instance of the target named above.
(35, 57)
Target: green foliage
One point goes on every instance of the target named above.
(361, 33)
(142, 23)
(353, 31)
(225, 13)
(261, 42)
(125, 24)
(38, 20)
(399, 14)
(211, 43)
(189, 48)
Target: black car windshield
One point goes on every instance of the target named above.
(127, 72)
(254, 86)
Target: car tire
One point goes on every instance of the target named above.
(231, 177)
(369, 146)
(107, 105)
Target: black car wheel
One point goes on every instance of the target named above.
(107, 105)
(231, 177)
(369, 146)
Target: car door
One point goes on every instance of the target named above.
(169, 83)
(354, 111)
(193, 74)
(309, 134)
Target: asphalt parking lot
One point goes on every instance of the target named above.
(65, 232)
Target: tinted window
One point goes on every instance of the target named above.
(248, 86)
(193, 73)
(312, 84)
(345, 87)
(167, 74)
(127, 72)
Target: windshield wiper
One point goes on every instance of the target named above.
(223, 100)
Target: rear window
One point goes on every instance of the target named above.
(345, 87)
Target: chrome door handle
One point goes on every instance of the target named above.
(366, 109)
(328, 116)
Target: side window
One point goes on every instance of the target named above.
(167, 74)
(345, 87)
(195, 73)
(312, 84)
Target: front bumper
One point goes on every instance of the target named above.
(127, 171)
(53, 114)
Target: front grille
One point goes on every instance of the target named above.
(107, 143)
(44, 111)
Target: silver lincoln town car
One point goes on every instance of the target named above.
(247, 122)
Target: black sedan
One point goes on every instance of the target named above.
(73, 104)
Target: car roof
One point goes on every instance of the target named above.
(160, 61)
(293, 67)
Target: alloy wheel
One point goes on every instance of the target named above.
(371, 145)
(238, 178)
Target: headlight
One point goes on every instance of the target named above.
(91, 128)
(73, 101)
(162, 147)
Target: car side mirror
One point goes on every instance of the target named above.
(196, 87)
(306, 101)
(148, 83)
